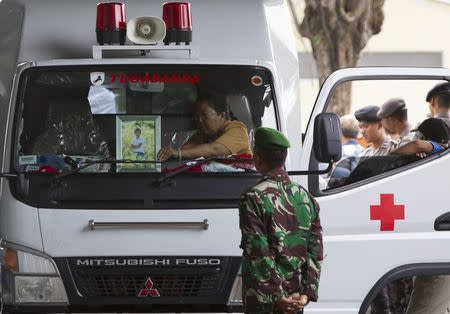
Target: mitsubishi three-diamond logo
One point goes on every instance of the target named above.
(149, 290)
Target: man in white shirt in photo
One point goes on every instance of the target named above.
(137, 144)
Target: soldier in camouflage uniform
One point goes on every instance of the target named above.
(281, 235)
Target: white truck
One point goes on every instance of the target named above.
(83, 232)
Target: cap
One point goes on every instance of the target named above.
(439, 89)
(436, 130)
(391, 106)
(268, 138)
(368, 114)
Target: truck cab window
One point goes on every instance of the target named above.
(163, 115)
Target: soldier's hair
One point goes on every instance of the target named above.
(401, 115)
(443, 100)
(274, 158)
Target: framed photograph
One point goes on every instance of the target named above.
(138, 138)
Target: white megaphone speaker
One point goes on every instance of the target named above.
(146, 30)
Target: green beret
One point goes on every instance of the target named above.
(270, 139)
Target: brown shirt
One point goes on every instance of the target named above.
(234, 137)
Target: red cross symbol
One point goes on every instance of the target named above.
(387, 212)
(148, 290)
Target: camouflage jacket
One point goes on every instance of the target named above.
(281, 243)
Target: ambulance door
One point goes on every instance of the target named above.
(385, 224)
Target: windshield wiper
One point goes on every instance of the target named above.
(198, 162)
(8, 175)
(85, 164)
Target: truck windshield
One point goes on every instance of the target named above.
(156, 114)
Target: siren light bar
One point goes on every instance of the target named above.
(175, 26)
(111, 25)
(177, 16)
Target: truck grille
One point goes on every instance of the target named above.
(150, 283)
(98, 284)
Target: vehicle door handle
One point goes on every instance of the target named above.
(163, 224)
(442, 223)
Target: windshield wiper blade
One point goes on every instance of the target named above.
(84, 165)
(8, 175)
(198, 162)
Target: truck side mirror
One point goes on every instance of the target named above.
(22, 184)
(327, 145)
(327, 137)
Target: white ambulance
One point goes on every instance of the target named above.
(90, 223)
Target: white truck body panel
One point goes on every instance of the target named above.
(77, 239)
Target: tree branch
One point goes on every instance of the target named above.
(338, 31)
(350, 16)
(377, 16)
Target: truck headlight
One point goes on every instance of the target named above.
(30, 277)
(39, 289)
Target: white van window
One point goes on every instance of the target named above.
(373, 146)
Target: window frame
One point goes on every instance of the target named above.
(17, 106)
(363, 74)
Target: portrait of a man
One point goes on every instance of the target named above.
(138, 138)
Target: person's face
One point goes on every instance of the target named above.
(137, 133)
(388, 124)
(210, 122)
(371, 131)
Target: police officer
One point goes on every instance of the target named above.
(281, 235)
(373, 132)
(394, 116)
(438, 99)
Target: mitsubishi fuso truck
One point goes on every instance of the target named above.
(92, 221)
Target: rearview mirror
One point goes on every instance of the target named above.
(327, 137)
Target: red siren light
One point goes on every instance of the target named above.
(177, 16)
(111, 25)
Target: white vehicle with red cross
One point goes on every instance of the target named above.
(387, 225)
(91, 221)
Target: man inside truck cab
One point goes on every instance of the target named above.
(216, 136)
(432, 137)
(395, 120)
(438, 99)
(394, 116)
(373, 132)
